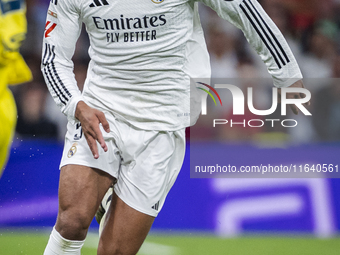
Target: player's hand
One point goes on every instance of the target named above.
(298, 84)
(90, 119)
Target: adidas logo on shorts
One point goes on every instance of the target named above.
(156, 206)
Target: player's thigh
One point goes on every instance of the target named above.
(151, 169)
(125, 229)
(81, 189)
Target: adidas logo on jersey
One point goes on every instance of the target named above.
(98, 3)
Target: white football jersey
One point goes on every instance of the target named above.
(144, 54)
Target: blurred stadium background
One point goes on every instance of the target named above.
(201, 216)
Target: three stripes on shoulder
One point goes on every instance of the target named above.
(98, 3)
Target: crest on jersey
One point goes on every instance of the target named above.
(157, 1)
(72, 151)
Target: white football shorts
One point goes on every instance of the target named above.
(145, 163)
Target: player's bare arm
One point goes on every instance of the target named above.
(90, 120)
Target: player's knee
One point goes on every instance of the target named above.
(73, 225)
(109, 250)
(113, 249)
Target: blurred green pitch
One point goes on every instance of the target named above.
(33, 243)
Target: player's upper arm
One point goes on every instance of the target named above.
(62, 29)
(263, 35)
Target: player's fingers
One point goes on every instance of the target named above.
(93, 145)
(99, 137)
(102, 119)
(279, 95)
(303, 96)
(294, 109)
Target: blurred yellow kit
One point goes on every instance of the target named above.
(13, 69)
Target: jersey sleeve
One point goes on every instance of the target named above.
(62, 29)
(263, 35)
